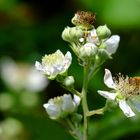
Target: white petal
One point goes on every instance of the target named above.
(77, 100)
(68, 105)
(35, 81)
(53, 110)
(59, 52)
(136, 105)
(68, 56)
(67, 61)
(38, 66)
(108, 95)
(126, 109)
(108, 79)
(112, 44)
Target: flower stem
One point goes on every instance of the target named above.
(84, 102)
(75, 132)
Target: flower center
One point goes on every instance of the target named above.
(52, 59)
(125, 87)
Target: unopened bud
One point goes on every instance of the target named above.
(72, 34)
(69, 81)
(103, 32)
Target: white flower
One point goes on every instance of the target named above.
(122, 91)
(60, 107)
(112, 44)
(92, 37)
(88, 50)
(19, 76)
(54, 64)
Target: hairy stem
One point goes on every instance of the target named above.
(84, 102)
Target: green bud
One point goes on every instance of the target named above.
(103, 46)
(76, 118)
(84, 20)
(102, 56)
(103, 32)
(69, 81)
(6, 101)
(72, 34)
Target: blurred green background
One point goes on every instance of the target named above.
(31, 28)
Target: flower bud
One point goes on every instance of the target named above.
(103, 32)
(69, 81)
(88, 50)
(102, 56)
(72, 34)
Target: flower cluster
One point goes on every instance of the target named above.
(88, 42)
(125, 91)
(92, 46)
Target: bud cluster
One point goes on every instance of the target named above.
(88, 42)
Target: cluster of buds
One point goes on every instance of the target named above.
(88, 42)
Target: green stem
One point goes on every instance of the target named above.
(93, 71)
(84, 102)
(99, 111)
(75, 132)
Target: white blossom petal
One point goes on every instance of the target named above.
(68, 59)
(126, 109)
(107, 95)
(35, 81)
(68, 105)
(108, 80)
(92, 37)
(52, 110)
(54, 64)
(136, 105)
(38, 66)
(112, 44)
(76, 100)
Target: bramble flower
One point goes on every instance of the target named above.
(109, 45)
(92, 37)
(54, 64)
(21, 76)
(124, 91)
(88, 50)
(60, 107)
